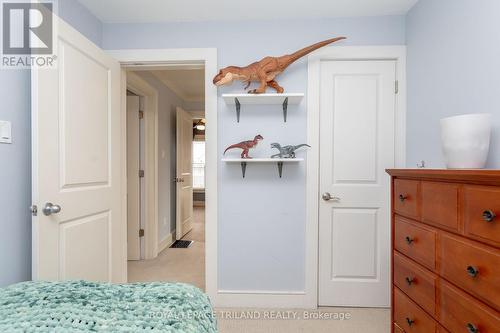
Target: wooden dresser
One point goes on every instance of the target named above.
(446, 250)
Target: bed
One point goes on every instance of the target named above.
(81, 306)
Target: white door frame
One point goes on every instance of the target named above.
(339, 53)
(142, 88)
(207, 56)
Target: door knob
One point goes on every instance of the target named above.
(328, 197)
(472, 271)
(472, 328)
(50, 209)
(410, 321)
(488, 216)
(410, 280)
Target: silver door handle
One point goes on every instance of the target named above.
(328, 197)
(50, 209)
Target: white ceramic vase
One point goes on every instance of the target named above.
(466, 140)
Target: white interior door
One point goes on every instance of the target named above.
(184, 177)
(76, 165)
(133, 180)
(357, 111)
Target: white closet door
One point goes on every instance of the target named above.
(357, 105)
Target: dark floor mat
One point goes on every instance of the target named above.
(181, 244)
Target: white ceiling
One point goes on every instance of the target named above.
(187, 84)
(217, 10)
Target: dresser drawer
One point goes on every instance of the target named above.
(482, 213)
(440, 204)
(398, 329)
(406, 196)
(472, 266)
(416, 282)
(441, 329)
(415, 241)
(410, 316)
(459, 312)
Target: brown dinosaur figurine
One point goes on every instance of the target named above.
(265, 70)
(246, 145)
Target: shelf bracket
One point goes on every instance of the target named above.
(238, 109)
(243, 168)
(280, 169)
(285, 108)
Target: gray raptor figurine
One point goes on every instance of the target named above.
(286, 151)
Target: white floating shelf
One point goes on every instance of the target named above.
(263, 98)
(284, 99)
(261, 160)
(279, 161)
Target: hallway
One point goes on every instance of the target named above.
(176, 265)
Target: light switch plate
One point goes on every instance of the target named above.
(5, 132)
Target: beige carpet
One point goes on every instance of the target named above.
(360, 321)
(188, 265)
(176, 265)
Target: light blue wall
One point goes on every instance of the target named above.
(453, 68)
(261, 218)
(15, 179)
(81, 19)
(15, 159)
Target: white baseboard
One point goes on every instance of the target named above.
(166, 242)
(263, 299)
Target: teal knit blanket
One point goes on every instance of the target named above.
(80, 306)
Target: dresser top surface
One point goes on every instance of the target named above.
(483, 176)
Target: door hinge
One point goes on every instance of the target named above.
(141, 114)
(141, 173)
(396, 86)
(34, 210)
(141, 232)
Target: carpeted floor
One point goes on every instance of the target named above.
(176, 265)
(188, 265)
(361, 321)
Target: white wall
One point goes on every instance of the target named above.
(262, 217)
(453, 68)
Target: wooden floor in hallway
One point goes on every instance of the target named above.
(176, 265)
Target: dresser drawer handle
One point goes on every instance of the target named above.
(409, 321)
(409, 240)
(402, 197)
(471, 328)
(488, 216)
(472, 271)
(410, 280)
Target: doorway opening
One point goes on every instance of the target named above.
(176, 238)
